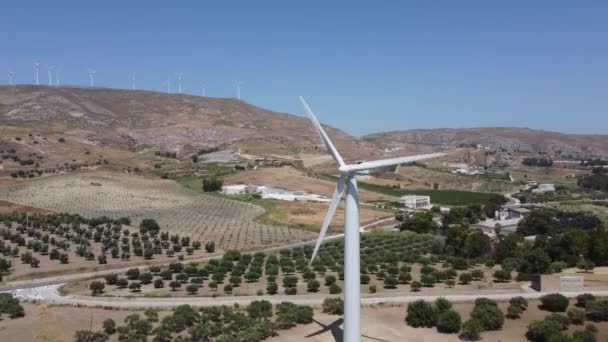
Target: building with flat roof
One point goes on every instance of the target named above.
(415, 201)
(238, 189)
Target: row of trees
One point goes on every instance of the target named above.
(258, 321)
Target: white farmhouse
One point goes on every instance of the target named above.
(238, 189)
(415, 201)
(544, 188)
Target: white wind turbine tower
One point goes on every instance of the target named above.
(179, 82)
(348, 180)
(238, 85)
(167, 83)
(57, 73)
(50, 69)
(36, 69)
(92, 73)
(11, 77)
(203, 85)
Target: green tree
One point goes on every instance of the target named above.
(449, 322)
(471, 330)
(96, 287)
(421, 314)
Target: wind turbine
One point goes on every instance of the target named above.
(179, 82)
(50, 69)
(238, 85)
(36, 68)
(133, 81)
(11, 77)
(92, 73)
(57, 73)
(168, 84)
(348, 180)
(203, 85)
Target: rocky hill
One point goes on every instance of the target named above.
(518, 140)
(144, 121)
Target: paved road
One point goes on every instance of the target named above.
(50, 295)
(47, 281)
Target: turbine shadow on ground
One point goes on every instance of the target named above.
(337, 332)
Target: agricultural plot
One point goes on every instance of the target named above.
(390, 263)
(50, 244)
(230, 224)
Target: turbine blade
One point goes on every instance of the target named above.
(335, 201)
(389, 162)
(324, 138)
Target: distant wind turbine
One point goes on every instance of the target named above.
(50, 69)
(133, 81)
(57, 73)
(203, 85)
(36, 68)
(179, 82)
(238, 85)
(11, 77)
(167, 83)
(92, 73)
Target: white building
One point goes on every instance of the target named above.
(544, 188)
(238, 189)
(415, 201)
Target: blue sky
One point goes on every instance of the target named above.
(364, 66)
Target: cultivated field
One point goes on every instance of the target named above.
(230, 224)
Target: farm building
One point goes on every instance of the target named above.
(503, 214)
(238, 189)
(544, 188)
(415, 201)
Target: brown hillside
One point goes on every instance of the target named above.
(523, 140)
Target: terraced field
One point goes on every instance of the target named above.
(205, 217)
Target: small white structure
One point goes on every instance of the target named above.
(510, 213)
(544, 188)
(238, 189)
(415, 201)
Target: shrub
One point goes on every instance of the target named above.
(428, 280)
(465, 278)
(562, 320)
(597, 310)
(109, 326)
(272, 288)
(333, 306)
(372, 289)
(576, 316)
(421, 314)
(502, 276)
(11, 306)
(442, 304)
(543, 331)
(449, 322)
(490, 317)
(290, 291)
(514, 311)
(335, 289)
(584, 336)
(96, 287)
(471, 330)
(583, 299)
(554, 302)
(415, 286)
(159, 284)
(313, 285)
(477, 274)
(519, 301)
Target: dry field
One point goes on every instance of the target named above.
(312, 214)
(178, 210)
(292, 179)
(555, 175)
